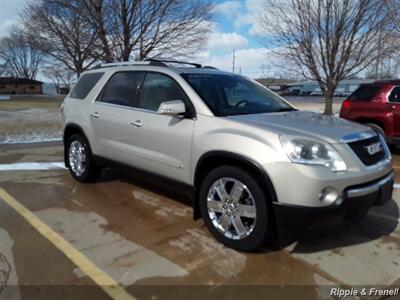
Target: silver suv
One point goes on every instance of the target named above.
(252, 162)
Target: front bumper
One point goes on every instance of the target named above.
(357, 200)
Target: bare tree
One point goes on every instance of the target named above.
(327, 40)
(59, 76)
(62, 33)
(141, 29)
(392, 7)
(20, 57)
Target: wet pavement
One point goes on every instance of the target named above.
(145, 239)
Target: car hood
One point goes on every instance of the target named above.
(328, 128)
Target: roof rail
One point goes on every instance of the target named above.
(150, 62)
(210, 67)
(174, 62)
(129, 63)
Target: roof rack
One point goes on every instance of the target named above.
(174, 62)
(150, 62)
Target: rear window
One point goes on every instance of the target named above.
(85, 85)
(364, 93)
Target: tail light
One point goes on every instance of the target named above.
(346, 104)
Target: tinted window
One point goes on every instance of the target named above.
(121, 89)
(233, 95)
(84, 85)
(158, 88)
(395, 95)
(364, 93)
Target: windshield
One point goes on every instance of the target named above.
(228, 95)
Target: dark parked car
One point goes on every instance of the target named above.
(378, 105)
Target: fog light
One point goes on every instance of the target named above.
(329, 195)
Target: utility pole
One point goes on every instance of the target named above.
(240, 70)
(233, 61)
(264, 71)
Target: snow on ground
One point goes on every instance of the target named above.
(32, 166)
(30, 125)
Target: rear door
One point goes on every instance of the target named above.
(112, 113)
(162, 143)
(394, 106)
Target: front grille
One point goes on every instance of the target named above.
(360, 148)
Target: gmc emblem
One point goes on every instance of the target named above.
(374, 148)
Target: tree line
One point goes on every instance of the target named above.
(323, 40)
(70, 36)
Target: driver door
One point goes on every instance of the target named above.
(163, 143)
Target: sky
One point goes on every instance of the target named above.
(236, 28)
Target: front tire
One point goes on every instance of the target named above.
(80, 160)
(234, 208)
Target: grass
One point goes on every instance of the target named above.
(21, 102)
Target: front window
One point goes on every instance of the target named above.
(228, 95)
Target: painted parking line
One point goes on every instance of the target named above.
(103, 280)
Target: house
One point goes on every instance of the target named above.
(12, 85)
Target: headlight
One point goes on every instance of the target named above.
(312, 152)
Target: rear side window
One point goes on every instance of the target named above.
(364, 93)
(395, 95)
(84, 85)
(122, 88)
(158, 88)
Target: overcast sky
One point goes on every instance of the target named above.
(236, 28)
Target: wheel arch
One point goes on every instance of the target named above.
(214, 159)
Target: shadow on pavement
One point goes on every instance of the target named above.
(373, 226)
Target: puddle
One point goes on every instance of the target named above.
(376, 261)
(37, 166)
(124, 260)
(160, 205)
(227, 262)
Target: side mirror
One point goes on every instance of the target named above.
(172, 108)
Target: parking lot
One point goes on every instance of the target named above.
(125, 238)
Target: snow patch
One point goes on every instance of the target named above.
(27, 139)
(32, 166)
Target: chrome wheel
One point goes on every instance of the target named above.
(231, 208)
(77, 158)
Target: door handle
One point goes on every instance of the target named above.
(95, 115)
(137, 124)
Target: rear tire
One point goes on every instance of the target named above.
(234, 208)
(80, 159)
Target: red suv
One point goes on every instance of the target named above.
(378, 105)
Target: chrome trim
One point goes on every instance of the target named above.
(126, 107)
(359, 136)
(137, 124)
(358, 192)
(386, 160)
